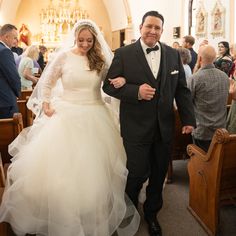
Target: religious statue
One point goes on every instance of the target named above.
(201, 23)
(25, 34)
(217, 20)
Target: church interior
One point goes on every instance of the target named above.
(199, 197)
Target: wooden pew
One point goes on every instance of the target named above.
(3, 226)
(2, 178)
(179, 148)
(181, 141)
(27, 115)
(9, 129)
(24, 94)
(212, 179)
(2, 174)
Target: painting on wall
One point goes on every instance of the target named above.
(201, 22)
(24, 35)
(218, 20)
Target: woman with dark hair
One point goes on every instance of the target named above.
(231, 119)
(224, 61)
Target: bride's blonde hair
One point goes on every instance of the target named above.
(95, 57)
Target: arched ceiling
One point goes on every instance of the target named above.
(117, 10)
(8, 10)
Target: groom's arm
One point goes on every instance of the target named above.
(128, 92)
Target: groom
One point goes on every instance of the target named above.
(154, 77)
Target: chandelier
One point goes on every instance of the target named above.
(58, 19)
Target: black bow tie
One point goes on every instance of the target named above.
(148, 50)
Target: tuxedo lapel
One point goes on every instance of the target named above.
(163, 66)
(143, 63)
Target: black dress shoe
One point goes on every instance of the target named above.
(154, 228)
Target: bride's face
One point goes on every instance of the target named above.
(84, 41)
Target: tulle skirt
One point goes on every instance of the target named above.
(68, 176)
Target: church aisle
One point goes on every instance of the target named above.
(174, 217)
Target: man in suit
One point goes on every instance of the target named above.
(188, 42)
(42, 51)
(18, 50)
(154, 76)
(10, 85)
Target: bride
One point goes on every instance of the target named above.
(68, 171)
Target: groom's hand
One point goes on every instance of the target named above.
(188, 129)
(146, 92)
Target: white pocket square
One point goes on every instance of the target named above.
(174, 72)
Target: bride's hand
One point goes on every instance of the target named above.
(118, 82)
(48, 111)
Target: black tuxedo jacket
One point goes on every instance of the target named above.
(141, 119)
(10, 85)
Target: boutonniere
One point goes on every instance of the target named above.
(174, 72)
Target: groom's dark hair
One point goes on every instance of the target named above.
(153, 13)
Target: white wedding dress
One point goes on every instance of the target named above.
(68, 171)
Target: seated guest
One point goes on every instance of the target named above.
(197, 64)
(233, 54)
(188, 42)
(16, 56)
(175, 45)
(36, 64)
(18, 50)
(26, 67)
(17, 61)
(231, 119)
(185, 58)
(204, 43)
(209, 88)
(41, 61)
(224, 61)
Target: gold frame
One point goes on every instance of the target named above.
(218, 20)
(201, 22)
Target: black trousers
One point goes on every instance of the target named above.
(147, 161)
(203, 144)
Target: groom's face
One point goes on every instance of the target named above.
(151, 30)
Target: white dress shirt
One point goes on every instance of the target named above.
(153, 58)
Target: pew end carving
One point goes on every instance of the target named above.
(212, 179)
(9, 129)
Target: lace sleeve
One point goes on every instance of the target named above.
(49, 85)
(51, 76)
